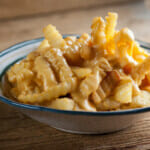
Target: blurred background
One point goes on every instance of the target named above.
(24, 19)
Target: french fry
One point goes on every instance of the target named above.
(101, 62)
(70, 40)
(81, 72)
(72, 52)
(7, 89)
(98, 36)
(135, 88)
(21, 76)
(59, 64)
(62, 103)
(44, 44)
(104, 64)
(108, 104)
(101, 93)
(32, 56)
(111, 22)
(78, 108)
(86, 52)
(82, 101)
(123, 91)
(141, 100)
(108, 84)
(54, 38)
(44, 72)
(138, 72)
(54, 92)
(95, 98)
(87, 105)
(87, 86)
(90, 84)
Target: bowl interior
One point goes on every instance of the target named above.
(17, 52)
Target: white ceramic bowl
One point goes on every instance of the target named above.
(70, 121)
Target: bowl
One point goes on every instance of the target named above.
(80, 122)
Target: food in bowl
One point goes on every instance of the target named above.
(104, 71)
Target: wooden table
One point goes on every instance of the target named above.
(18, 132)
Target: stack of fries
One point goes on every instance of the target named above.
(102, 72)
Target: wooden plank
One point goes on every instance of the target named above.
(19, 132)
(16, 8)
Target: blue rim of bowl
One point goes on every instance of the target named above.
(40, 108)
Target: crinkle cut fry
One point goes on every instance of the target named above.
(81, 72)
(59, 64)
(87, 86)
(111, 22)
(108, 84)
(102, 63)
(70, 40)
(54, 38)
(71, 53)
(54, 92)
(44, 44)
(104, 67)
(24, 86)
(62, 103)
(90, 83)
(75, 51)
(85, 51)
(98, 32)
(44, 71)
(95, 97)
(82, 101)
(138, 73)
(17, 73)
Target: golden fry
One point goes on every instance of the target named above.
(98, 36)
(44, 44)
(54, 38)
(111, 22)
(74, 52)
(138, 73)
(123, 92)
(96, 98)
(82, 101)
(54, 92)
(90, 84)
(62, 103)
(108, 84)
(44, 71)
(81, 72)
(109, 104)
(58, 62)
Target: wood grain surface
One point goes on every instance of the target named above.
(19, 8)
(18, 132)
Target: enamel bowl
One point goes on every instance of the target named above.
(70, 121)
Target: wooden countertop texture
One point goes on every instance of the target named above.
(18, 132)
